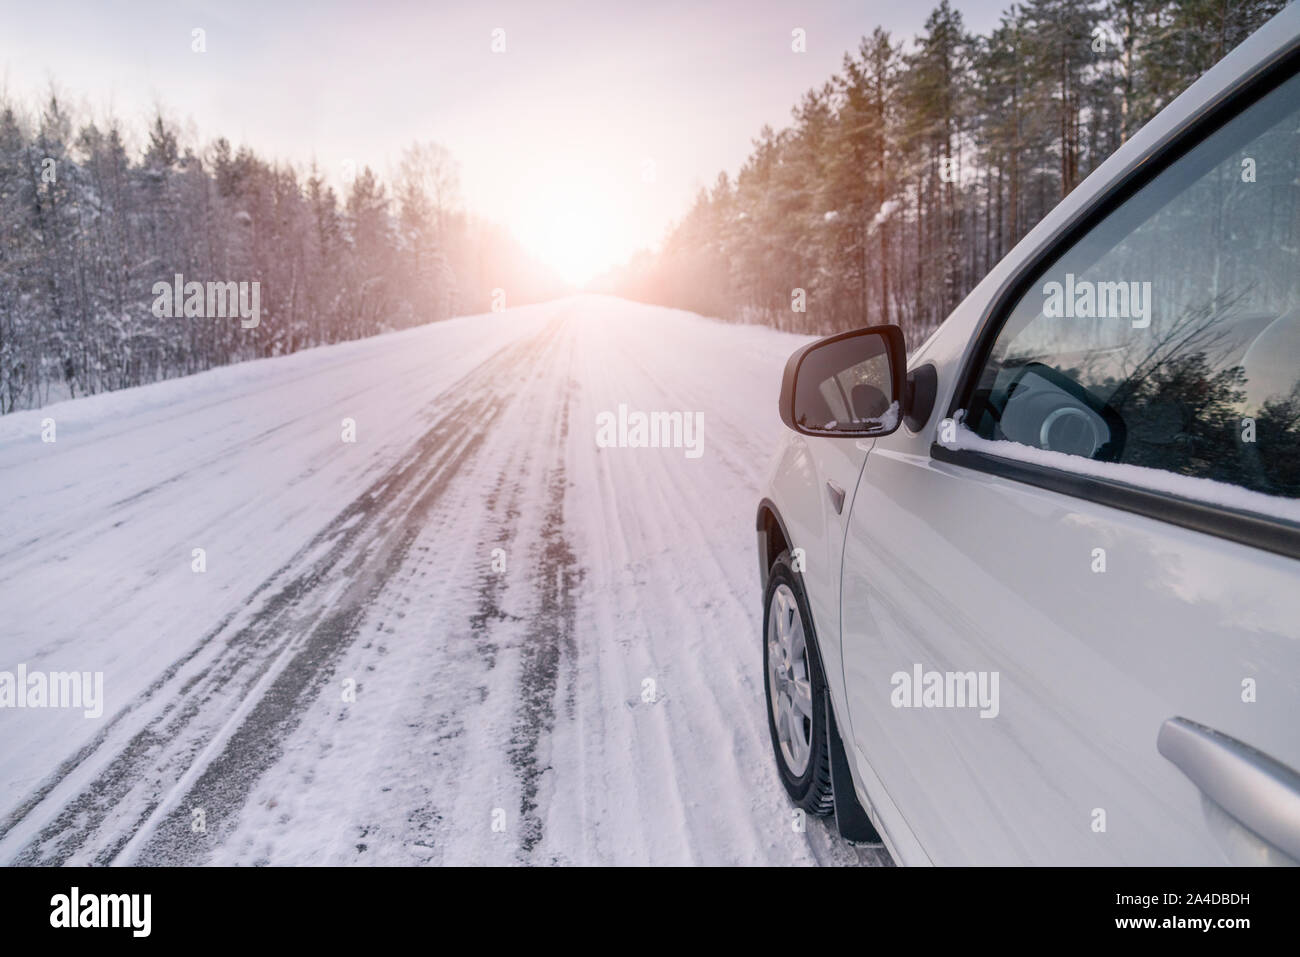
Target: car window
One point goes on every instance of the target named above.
(1169, 336)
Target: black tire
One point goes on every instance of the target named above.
(811, 789)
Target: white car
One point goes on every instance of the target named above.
(1032, 592)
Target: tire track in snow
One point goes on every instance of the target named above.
(264, 671)
(549, 639)
(462, 693)
(487, 598)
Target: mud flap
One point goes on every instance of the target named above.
(850, 818)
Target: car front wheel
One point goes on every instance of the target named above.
(795, 692)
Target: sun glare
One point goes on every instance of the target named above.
(578, 229)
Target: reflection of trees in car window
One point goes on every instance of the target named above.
(1207, 382)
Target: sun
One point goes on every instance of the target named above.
(575, 245)
(574, 227)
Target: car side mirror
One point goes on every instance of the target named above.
(852, 384)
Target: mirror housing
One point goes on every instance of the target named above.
(851, 385)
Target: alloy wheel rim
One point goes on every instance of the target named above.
(788, 680)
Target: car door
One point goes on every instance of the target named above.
(836, 465)
(1102, 537)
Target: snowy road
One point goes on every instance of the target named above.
(355, 678)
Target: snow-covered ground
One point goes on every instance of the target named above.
(473, 635)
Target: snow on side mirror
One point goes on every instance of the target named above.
(848, 385)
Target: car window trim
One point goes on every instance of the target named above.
(1250, 528)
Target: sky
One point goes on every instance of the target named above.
(586, 136)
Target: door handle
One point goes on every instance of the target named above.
(1259, 791)
(837, 496)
